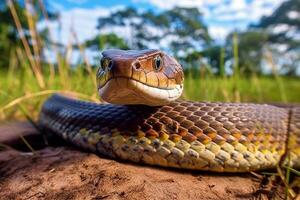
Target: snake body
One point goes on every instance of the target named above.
(221, 137)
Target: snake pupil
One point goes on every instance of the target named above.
(157, 63)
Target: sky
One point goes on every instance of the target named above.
(221, 16)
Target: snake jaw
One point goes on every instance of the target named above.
(123, 91)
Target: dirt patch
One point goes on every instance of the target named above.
(67, 173)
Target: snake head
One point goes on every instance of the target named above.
(149, 77)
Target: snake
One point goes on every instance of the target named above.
(145, 120)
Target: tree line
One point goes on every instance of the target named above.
(182, 32)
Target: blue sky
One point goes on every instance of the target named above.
(69, 4)
(221, 16)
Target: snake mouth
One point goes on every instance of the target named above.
(169, 87)
(122, 90)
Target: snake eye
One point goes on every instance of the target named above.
(106, 64)
(157, 63)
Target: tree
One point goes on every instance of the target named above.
(104, 41)
(213, 55)
(283, 27)
(124, 18)
(186, 25)
(251, 45)
(182, 29)
(286, 16)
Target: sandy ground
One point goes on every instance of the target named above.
(66, 173)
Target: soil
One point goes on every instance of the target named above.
(63, 172)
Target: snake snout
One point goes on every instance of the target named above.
(112, 68)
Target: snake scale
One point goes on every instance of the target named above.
(146, 124)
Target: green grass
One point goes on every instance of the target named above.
(19, 85)
(253, 89)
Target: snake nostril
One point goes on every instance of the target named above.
(137, 65)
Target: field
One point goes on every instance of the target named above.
(22, 95)
(30, 78)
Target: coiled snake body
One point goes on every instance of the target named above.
(222, 137)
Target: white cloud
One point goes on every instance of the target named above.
(293, 15)
(280, 28)
(238, 5)
(82, 20)
(217, 12)
(239, 10)
(218, 32)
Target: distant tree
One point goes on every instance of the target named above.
(181, 28)
(214, 55)
(104, 41)
(128, 17)
(216, 58)
(251, 45)
(186, 25)
(283, 26)
(286, 18)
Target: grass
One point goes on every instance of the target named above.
(253, 89)
(19, 85)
